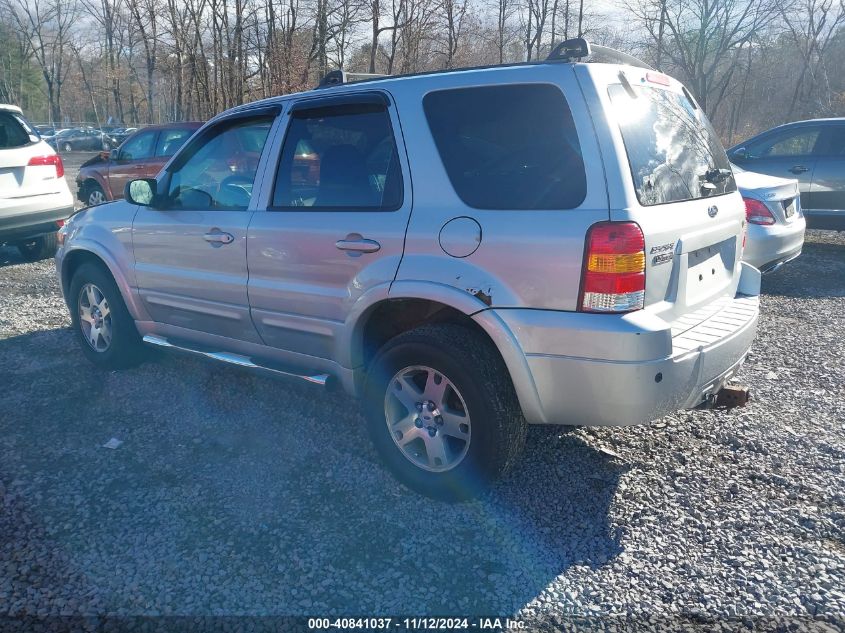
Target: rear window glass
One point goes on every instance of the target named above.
(15, 131)
(674, 153)
(508, 147)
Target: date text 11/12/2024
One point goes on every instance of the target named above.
(416, 624)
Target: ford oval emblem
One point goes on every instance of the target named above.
(712, 211)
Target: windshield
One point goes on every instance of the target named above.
(673, 150)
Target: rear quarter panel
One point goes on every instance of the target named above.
(525, 258)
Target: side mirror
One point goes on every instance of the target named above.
(142, 191)
(740, 154)
(114, 154)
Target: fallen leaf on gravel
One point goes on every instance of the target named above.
(112, 443)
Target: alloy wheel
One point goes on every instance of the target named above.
(427, 418)
(95, 197)
(95, 317)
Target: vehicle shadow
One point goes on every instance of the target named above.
(10, 256)
(235, 493)
(818, 272)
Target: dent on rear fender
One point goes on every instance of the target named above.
(460, 274)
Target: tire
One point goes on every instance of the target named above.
(39, 248)
(94, 195)
(122, 348)
(67, 147)
(478, 390)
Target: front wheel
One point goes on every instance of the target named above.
(102, 324)
(39, 248)
(95, 195)
(442, 411)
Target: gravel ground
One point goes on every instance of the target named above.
(237, 494)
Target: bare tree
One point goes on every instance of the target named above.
(48, 26)
(702, 39)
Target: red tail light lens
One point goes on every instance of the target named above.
(757, 213)
(55, 160)
(613, 278)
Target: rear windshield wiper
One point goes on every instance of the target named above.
(716, 175)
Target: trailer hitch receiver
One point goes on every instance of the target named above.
(731, 396)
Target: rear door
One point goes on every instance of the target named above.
(190, 251)
(132, 161)
(668, 172)
(827, 191)
(334, 225)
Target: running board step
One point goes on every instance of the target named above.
(234, 359)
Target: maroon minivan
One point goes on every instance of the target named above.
(142, 155)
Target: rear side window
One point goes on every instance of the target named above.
(674, 153)
(339, 158)
(15, 131)
(508, 147)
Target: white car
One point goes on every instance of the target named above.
(34, 197)
(775, 222)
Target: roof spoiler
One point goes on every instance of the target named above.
(579, 48)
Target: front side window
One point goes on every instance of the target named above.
(171, 140)
(508, 147)
(219, 170)
(673, 151)
(138, 147)
(792, 143)
(339, 157)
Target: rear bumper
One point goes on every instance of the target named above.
(767, 247)
(16, 226)
(636, 385)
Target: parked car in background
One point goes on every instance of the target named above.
(142, 155)
(811, 151)
(77, 139)
(775, 232)
(570, 253)
(46, 131)
(120, 134)
(34, 197)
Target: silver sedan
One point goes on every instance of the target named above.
(775, 222)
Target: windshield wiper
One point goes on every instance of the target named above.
(716, 175)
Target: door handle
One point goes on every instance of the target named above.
(218, 237)
(359, 245)
(799, 169)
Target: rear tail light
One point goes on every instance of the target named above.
(614, 268)
(55, 159)
(757, 213)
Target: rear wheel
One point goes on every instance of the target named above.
(67, 147)
(102, 324)
(39, 248)
(442, 411)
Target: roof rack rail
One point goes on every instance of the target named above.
(579, 48)
(340, 77)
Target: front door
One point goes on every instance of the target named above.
(191, 251)
(130, 161)
(334, 225)
(787, 153)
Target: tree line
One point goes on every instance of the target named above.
(751, 64)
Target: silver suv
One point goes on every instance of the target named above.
(467, 251)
